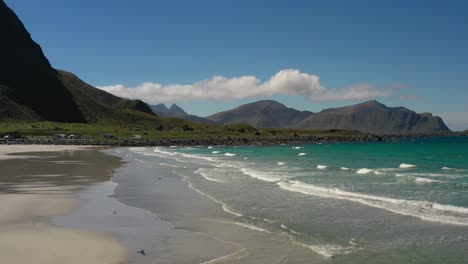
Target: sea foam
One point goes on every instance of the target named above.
(302, 154)
(229, 154)
(205, 174)
(425, 210)
(421, 180)
(406, 166)
(264, 176)
(322, 167)
(364, 171)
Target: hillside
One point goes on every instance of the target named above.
(31, 90)
(263, 114)
(99, 106)
(29, 87)
(374, 117)
(368, 117)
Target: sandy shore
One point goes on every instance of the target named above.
(6, 151)
(30, 196)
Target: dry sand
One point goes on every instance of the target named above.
(26, 236)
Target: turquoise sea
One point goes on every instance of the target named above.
(402, 202)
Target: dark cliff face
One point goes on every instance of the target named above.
(27, 79)
(31, 90)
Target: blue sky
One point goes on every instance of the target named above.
(278, 46)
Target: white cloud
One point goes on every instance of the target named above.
(219, 88)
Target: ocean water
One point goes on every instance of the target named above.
(404, 202)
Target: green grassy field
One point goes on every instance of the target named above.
(167, 128)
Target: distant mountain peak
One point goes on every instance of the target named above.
(176, 109)
(264, 113)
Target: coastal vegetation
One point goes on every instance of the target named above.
(165, 128)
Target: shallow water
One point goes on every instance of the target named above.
(403, 202)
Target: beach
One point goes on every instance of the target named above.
(234, 204)
(38, 183)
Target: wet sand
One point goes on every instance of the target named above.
(193, 227)
(57, 205)
(40, 182)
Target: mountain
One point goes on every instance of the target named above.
(368, 117)
(159, 109)
(264, 114)
(31, 90)
(374, 117)
(99, 106)
(29, 87)
(173, 111)
(177, 112)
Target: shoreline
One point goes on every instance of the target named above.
(47, 186)
(167, 142)
(199, 222)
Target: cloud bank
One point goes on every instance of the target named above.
(219, 88)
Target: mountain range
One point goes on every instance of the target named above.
(369, 117)
(32, 90)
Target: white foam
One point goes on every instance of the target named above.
(435, 175)
(425, 210)
(345, 168)
(136, 149)
(302, 154)
(260, 175)
(327, 251)
(453, 169)
(322, 167)
(160, 151)
(216, 152)
(251, 227)
(297, 147)
(204, 173)
(421, 180)
(406, 166)
(225, 207)
(281, 163)
(195, 156)
(364, 171)
(378, 172)
(210, 147)
(229, 154)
